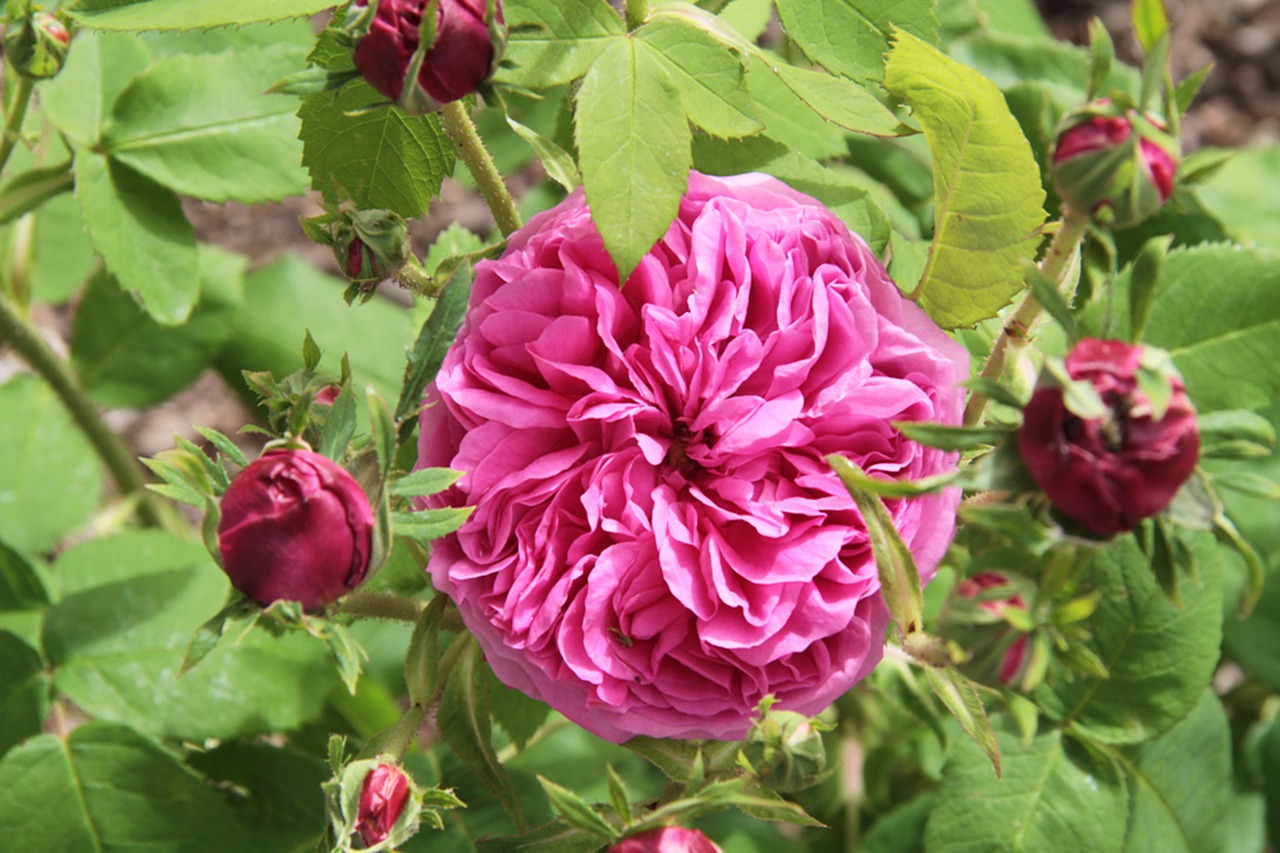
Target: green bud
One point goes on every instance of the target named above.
(35, 43)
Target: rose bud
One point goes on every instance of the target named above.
(383, 796)
(295, 526)
(1110, 472)
(36, 46)
(469, 39)
(370, 245)
(668, 839)
(327, 395)
(1005, 658)
(785, 751)
(1115, 164)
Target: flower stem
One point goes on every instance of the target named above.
(115, 454)
(380, 605)
(1016, 333)
(14, 115)
(637, 13)
(462, 132)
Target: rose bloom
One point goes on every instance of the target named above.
(383, 796)
(668, 839)
(658, 541)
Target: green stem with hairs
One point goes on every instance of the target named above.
(1016, 334)
(111, 449)
(462, 132)
(15, 114)
(380, 605)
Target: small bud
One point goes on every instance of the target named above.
(1116, 164)
(295, 526)
(785, 751)
(668, 839)
(383, 796)
(998, 650)
(36, 45)
(469, 40)
(327, 395)
(370, 245)
(1110, 472)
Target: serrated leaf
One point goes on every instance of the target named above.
(434, 340)
(79, 99)
(577, 811)
(24, 691)
(29, 190)
(1150, 22)
(225, 446)
(380, 158)
(185, 15)
(557, 162)
(708, 74)
(1045, 290)
(552, 42)
(850, 37)
(464, 722)
(20, 585)
(554, 837)
(619, 799)
(105, 787)
(986, 182)
(1051, 796)
(675, 758)
(139, 229)
(423, 482)
(899, 578)
(839, 101)
(1159, 656)
(961, 698)
(201, 125)
(633, 142)
(430, 524)
(422, 660)
(946, 437)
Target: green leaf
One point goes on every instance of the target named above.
(1240, 192)
(850, 37)
(184, 15)
(423, 482)
(382, 158)
(422, 660)
(961, 697)
(899, 578)
(79, 99)
(434, 340)
(1179, 784)
(117, 640)
(28, 191)
(127, 359)
(1143, 278)
(839, 101)
(430, 524)
(1214, 332)
(20, 585)
(202, 126)
(24, 692)
(554, 837)
(285, 299)
(50, 478)
(577, 811)
(553, 42)
(789, 120)
(1150, 22)
(708, 75)
(633, 143)
(1159, 656)
(986, 183)
(515, 713)
(557, 162)
(946, 437)
(106, 788)
(675, 758)
(1051, 796)
(465, 724)
(1047, 294)
(140, 231)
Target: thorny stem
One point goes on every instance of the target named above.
(462, 132)
(115, 454)
(1016, 333)
(380, 605)
(637, 13)
(14, 116)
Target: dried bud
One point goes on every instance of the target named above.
(295, 526)
(668, 839)
(1111, 471)
(370, 245)
(36, 44)
(998, 651)
(383, 796)
(469, 40)
(1114, 163)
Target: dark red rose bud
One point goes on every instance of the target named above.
(1013, 658)
(668, 839)
(466, 48)
(1114, 163)
(295, 526)
(382, 800)
(1108, 473)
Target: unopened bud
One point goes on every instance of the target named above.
(668, 839)
(785, 751)
(36, 45)
(383, 796)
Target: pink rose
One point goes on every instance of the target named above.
(1016, 654)
(383, 796)
(658, 542)
(668, 839)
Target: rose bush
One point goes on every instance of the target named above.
(658, 542)
(295, 526)
(1109, 473)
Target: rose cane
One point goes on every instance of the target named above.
(467, 45)
(1115, 164)
(383, 796)
(295, 526)
(1110, 472)
(668, 839)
